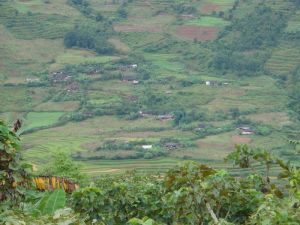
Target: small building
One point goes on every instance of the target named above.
(32, 80)
(128, 67)
(201, 127)
(171, 145)
(129, 78)
(246, 130)
(165, 117)
(72, 87)
(87, 114)
(187, 16)
(147, 147)
(145, 114)
(215, 83)
(60, 76)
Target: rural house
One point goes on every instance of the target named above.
(32, 80)
(72, 87)
(60, 76)
(147, 147)
(165, 117)
(246, 130)
(171, 145)
(128, 67)
(213, 83)
(129, 78)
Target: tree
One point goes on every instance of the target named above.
(122, 13)
(12, 170)
(61, 164)
(235, 113)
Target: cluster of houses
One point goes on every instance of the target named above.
(60, 76)
(131, 77)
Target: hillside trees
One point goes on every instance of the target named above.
(294, 93)
(93, 37)
(241, 46)
(262, 27)
(62, 165)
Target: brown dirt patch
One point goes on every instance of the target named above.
(196, 32)
(210, 7)
(240, 140)
(138, 28)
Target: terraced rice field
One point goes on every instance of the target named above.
(196, 32)
(294, 23)
(41, 119)
(29, 25)
(284, 59)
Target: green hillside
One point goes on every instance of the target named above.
(100, 79)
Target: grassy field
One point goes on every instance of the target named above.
(41, 119)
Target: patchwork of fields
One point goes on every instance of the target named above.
(94, 106)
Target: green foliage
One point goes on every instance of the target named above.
(62, 165)
(90, 200)
(144, 221)
(12, 170)
(262, 27)
(263, 130)
(189, 194)
(122, 13)
(51, 202)
(63, 216)
(181, 8)
(236, 61)
(294, 94)
(276, 211)
(91, 37)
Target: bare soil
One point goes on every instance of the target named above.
(196, 32)
(210, 7)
